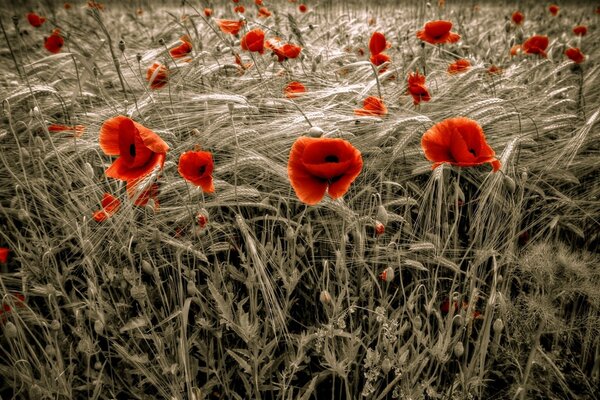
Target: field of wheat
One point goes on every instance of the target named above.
(284, 200)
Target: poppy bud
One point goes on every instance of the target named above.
(191, 289)
(459, 349)
(97, 365)
(269, 247)
(507, 26)
(519, 36)
(99, 327)
(313, 67)
(498, 326)
(138, 292)
(379, 228)
(386, 365)
(147, 267)
(458, 320)
(387, 275)
(325, 297)
(230, 106)
(55, 325)
(382, 215)
(10, 330)
(509, 184)
(121, 45)
(300, 250)
(15, 19)
(311, 26)
(417, 323)
(315, 132)
(25, 154)
(290, 234)
(89, 170)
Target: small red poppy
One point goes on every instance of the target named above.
(208, 12)
(95, 5)
(197, 168)
(54, 42)
(283, 51)
(380, 230)
(575, 55)
(372, 106)
(554, 9)
(139, 149)
(516, 49)
(458, 141)
(319, 165)
(417, 88)
(436, 32)
(202, 219)
(67, 6)
(598, 10)
(460, 65)
(35, 20)
(240, 9)
(230, 26)
(303, 8)
(293, 89)
(76, 131)
(494, 70)
(4, 254)
(258, 2)
(157, 75)
(141, 195)
(110, 205)
(536, 44)
(183, 49)
(580, 30)
(254, 40)
(264, 12)
(518, 17)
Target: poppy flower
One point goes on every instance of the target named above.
(229, 26)
(372, 106)
(254, 40)
(77, 130)
(417, 88)
(202, 218)
(35, 20)
(67, 6)
(536, 44)
(436, 32)
(302, 8)
(575, 55)
(110, 205)
(17, 299)
(142, 195)
(377, 44)
(264, 12)
(54, 42)
(598, 10)
(197, 167)
(580, 30)
(183, 49)
(554, 9)
(283, 51)
(258, 2)
(157, 75)
(494, 70)
(460, 65)
(208, 12)
(4, 254)
(293, 89)
(238, 61)
(516, 49)
(458, 141)
(379, 59)
(319, 165)
(139, 149)
(518, 17)
(239, 9)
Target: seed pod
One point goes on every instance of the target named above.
(97, 365)
(325, 297)
(10, 330)
(386, 365)
(387, 275)
(138, 57)
(498, 326)
(459, 349)
(382, 215)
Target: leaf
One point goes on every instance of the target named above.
(243, 363)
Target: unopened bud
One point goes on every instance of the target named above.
(191, 289)
(379, 228)
(99, 327)
(138, 57)
(382, 215)
(55, 325)
(387, 275)
(386, 365)
(459, 349)
(138, 292)
(147, 267)
(10, 330)
(498, 326)
(88, 170)
(315, 132)
(418, 323)
(161, 41)
(509, 184)
(290, 234)
(300, 250)
(325, 297)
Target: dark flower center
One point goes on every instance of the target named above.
(332, 158)
(132, 150)
(472, 152)
(202, 169)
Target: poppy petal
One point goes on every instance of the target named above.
(377, 43)
(123, 171)
(109, 136)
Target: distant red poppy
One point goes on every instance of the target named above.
(240, 9)
(458, 141)
(518, 17)
(372, 106)
(264, 12)
(254, 40)
(197, 168)
(554, 9)
(236, 1)
(293, 89)
(258, 2)
(303, 8)
(54, 42)
(157, 75)
(575, 55)
(67, 6)
(110, 205)
(516, 49)
(598, 10)
(377, 44)
(35, 20)
(460, 65)
(436, 32)
(95, 5)
(208, 12)
(230, 26)
(417, 88)
(283, 51)
(183, 49)
(580, 30)
(139, 149)
(536, 44)
(319, 165)
(76, 131)
(4, 254)
(494, 70)
(18, 300)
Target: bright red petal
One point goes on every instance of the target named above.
(377, 43)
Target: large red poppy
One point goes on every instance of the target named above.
(518, 17)
(293, 89)
(230, 26)
(254, 40)
(580, 30)
(183, 49)
(110, 205)
(283, 51)
(460, 65)
(197, 167)
(319, 165)
(436, 32)
(139, 149)
(372, 106)
(157, 75)
(54, 42)
(554, 9)
(536, 44)
(575, 55)
(35, 20)
(417, 88)
(458, 141)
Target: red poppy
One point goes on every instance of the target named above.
(516, 49)
(293, 89)
(494, 70)
(236, 1)
(254, 40)
(460, 65)
(240, 9)
(183, 49)
(458, 141)
(238, 61)
(379, 59)
(54, 42)
(518, 17)
(139, 149)
(139, 11)
(17, 299)
(319, 165)
(95, 5)
(283, 51)
(67, 6)
(4, 254)
(258, 2)
(110, 205)
(202, 218)
(35, 20)
(76, 131)
(436, 32)
(580, 30)
(417, 88)
(372, 106)
(554, 9)
(142, 195)
(302, 8)
(575, 55)
(157, 75)
(536, 44)
(264, 12)
(208, 12)
(377, 44)
(197, 168)
(230, 26)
